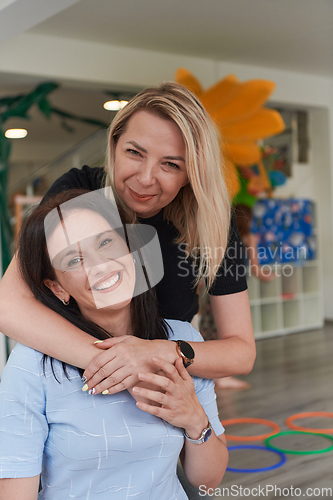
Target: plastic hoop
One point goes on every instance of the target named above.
(254, 447)
(230, 421)
(291, 425)
(294, 452)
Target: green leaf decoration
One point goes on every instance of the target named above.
(45, 107)
(19, 106)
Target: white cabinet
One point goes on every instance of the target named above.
(291, 302)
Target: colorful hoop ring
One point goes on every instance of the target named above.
(261, 421)
(294, 452)
(254, 447)
(291, 425)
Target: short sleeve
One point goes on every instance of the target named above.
(204, 387)
(231, 276)
(84, 178)
(23, 424)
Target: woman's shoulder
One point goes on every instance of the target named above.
(23, 369)
(183, 330)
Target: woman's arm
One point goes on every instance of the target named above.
(24, 319)
(27, 321)
(233, 354)
(25, 488)
(204, 464)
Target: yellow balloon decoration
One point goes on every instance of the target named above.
(237, 109)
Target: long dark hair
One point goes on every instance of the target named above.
(35, 268)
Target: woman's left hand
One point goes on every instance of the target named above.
(176, 395)
(117, 367)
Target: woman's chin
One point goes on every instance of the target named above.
(113, 301)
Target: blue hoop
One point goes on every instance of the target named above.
(253, 447)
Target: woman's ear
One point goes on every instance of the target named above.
(57, 290)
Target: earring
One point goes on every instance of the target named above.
(64, 302)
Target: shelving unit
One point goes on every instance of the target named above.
(292, 302)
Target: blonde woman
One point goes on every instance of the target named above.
(164, 165)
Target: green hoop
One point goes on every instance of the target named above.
(294, 452)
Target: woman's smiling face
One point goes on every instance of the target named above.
(92, 262)
(150, 163)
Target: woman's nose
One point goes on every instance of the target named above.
(146, 173)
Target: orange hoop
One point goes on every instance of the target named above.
(291, 425)
(231, 421)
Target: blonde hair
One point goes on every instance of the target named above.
(201, 209)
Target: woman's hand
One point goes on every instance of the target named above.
(123, 358)
(176, 396)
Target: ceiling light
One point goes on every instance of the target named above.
(16, 133)
(114, 105)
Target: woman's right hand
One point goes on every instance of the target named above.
(174, 393)
(123, 358)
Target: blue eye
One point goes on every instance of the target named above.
(105, 242)
(74, 261)
(134, 152)
(173, 165)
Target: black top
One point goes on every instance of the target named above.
(175, 293)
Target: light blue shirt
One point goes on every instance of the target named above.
(88, 447)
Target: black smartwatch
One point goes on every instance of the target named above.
(185, 351)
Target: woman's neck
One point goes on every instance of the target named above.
(116, 322)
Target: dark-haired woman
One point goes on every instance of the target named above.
(89, 446)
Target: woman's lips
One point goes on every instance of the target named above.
(108, 283)
(140, 197)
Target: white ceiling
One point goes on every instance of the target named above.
(289, 34)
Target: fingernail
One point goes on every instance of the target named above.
(84, 379)
(105, 392)
(92, 391)
(156, 359)
(85, 388)
(98, 341)
(135, 389)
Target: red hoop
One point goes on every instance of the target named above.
(269, 423)
(291, 425)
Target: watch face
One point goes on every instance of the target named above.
(187, 350)
(207, 435)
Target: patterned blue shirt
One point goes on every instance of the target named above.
(99, 447)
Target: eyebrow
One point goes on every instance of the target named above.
(140, 148)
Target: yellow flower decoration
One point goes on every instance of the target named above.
(237, 109)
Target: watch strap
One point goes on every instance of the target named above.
(205, 435)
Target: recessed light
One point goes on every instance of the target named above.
(114, 105)
(16, 133)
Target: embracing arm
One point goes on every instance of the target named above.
(25, 487)
(27, 321)
(233, 354)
